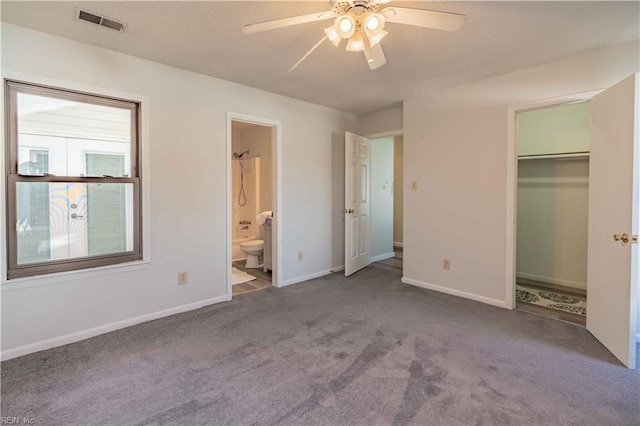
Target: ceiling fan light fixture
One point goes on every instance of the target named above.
(374, 22)
(356, 42)
(377, 37)
(374, 28)
(333, 36)
(361, 23)
(345, 26)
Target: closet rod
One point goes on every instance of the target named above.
(547, 156)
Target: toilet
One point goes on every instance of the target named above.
(253, 249)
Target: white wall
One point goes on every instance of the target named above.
(381, 197)
(383, 121)
(455, 145)
(558, 130)
(187, 158)
(398, 188)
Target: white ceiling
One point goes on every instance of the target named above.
(205, 37)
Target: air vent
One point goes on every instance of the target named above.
(103, 21)
(114, 25)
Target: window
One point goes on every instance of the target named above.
(73, 176)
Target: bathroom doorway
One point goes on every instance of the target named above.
(252, 210)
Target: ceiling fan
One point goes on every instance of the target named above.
(362, 23)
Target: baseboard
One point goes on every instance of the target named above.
(337, 268)
(306, 278)
(92, 332)
(382, 257)
(459, 293)
(398, 244)
(551, 280)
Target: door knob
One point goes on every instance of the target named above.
(621, 237)
(345, 211)
(75, 216)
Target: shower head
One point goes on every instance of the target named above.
(240, 155)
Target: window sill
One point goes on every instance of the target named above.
(39, 280)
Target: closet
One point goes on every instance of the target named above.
(552, 211)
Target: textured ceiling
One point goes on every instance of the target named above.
(205, 37)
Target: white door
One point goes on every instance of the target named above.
(612, 284)
(357, 223)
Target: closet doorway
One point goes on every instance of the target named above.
(552, 211)
(613, 214)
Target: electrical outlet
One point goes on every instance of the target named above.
(183, 277)
(414, 185)
(300, 255)
(446, 264)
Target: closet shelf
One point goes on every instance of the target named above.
(558, 156)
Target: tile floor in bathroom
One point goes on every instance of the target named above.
(262, 281)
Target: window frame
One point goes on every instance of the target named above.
(14, 270)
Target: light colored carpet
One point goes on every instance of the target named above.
(239, 277)
(363, 350)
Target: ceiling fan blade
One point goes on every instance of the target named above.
(424, 18)
(307, 54)
(375, 56)
(286, 22)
